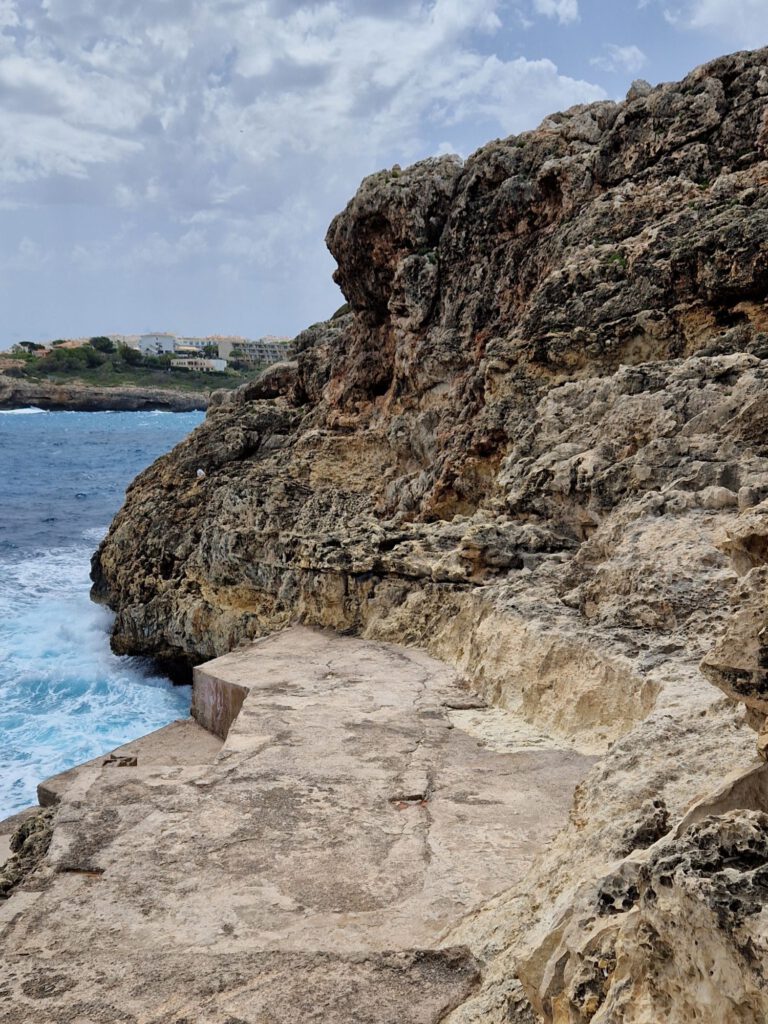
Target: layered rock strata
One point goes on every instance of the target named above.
(537, 446)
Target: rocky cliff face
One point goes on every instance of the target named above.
(538, 446)
(77, 397)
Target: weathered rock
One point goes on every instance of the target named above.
(28, 846)
(554, 931)
(277, 379)
(537, 444)
(738, 663)
(489, 402)
(678, 936)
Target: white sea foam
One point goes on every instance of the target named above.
(21, 412)
(95, 534)
(64, 696)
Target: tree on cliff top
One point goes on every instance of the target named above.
(102, 343)
(131, 356)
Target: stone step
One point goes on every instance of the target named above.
(182, 742)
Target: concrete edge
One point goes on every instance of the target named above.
(216, 703)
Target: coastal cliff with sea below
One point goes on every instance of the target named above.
(473, 592)
(136, 373)
(79, 396)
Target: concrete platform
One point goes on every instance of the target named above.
(183, 742)
(345, 821)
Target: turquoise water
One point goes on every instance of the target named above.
(64, 697)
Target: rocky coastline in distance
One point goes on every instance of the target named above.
(80, 397)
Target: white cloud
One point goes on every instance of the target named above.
(193, 130)
(745, 19)
(9, 17)
(207, 98)
(35, 146)
(564, 10)
(620, 58)
(742, 22)
(79, 96)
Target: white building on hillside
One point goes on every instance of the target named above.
(195, 362)
(156, 344)
(199, 344)
(259, 351)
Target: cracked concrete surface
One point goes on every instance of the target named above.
(309, 871)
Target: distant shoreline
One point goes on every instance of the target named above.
(17, 393)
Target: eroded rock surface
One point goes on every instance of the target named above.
(27, 846)
(678, 933)
(537, 445)
(699, 928)
(563, 336)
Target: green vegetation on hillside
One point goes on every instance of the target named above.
(104, 364)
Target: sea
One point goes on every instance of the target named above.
(64, 696)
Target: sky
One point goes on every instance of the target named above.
(174, 164)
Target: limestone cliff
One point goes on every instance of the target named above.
(16, 393)
(538, 446)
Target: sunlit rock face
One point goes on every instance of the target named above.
(537, 444)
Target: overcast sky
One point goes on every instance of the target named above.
(174, 164)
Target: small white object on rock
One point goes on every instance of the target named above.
(201, 474)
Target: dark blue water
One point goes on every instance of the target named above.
(64, 697)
